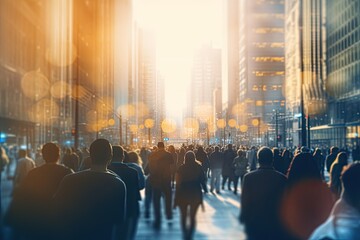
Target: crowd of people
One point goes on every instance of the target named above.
(95, 193)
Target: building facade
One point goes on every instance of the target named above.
(261, 67)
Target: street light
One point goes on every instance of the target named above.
(256, 123)
(149, 123)
(221, 123)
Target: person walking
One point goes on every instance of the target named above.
(216, 163)
(240, 164)
(160, 165)
(227, 168)
(91, 204)
(190, 180)
(24, 165)
(335, 173)
(262, 192)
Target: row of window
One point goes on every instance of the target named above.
(348, 11)
(343, 44)
(267, 103)
(268, 73)
(268, 30)
(269, 44)
(264, 88)
(346, 58)
(269, 16)
(342, 30)
(268, 59)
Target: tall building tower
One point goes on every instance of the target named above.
(305, 64)
(343, 70)
(232, 26)
(206, 77)
(261, 62)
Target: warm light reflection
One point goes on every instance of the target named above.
(168, 125)
(149, 123)
(243, 128)
(45, 112)
(60, 89)
(127, 110)
(221, 123)
(35, 85)
(232, 123)
(255, 122)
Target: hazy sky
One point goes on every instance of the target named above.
(180, 27)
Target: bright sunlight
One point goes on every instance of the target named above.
(180, 28)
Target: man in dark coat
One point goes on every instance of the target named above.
(91, 204)
(160, 166)
(33, 200)
(260, 199)
(130, 177)
(228, 169)
(331, 157)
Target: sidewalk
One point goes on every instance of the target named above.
(218, 221)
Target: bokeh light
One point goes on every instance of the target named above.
(111, 122)
(60, 89)
(232, 123)
(243, 128)
(221, 123)
(255, 122)
(168, 125)
(149, 123)
(35, 85)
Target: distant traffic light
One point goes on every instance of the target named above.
(279, 137)
(73, 132)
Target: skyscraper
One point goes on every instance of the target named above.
(261, 61)
(343, 70)
(305, 64)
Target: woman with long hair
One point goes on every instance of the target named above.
(335, 173)
(190, 180)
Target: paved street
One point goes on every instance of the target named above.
(217, 221)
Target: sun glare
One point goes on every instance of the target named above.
(180, 27)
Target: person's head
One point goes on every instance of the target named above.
(341, 158)
(334, 150)
(100, 152)
(118, 154)
(265, 156)
(50, 152)
(286, 154)
(161, 145)
(217, 149)
(304, 149)
(317, 152)
(134, 158)
(22, 153)
(241, 153)
(200, 149)
(303, 167)
(171, 148)
(229, 146)
(276, 151)
(189, 157)
(350, 181)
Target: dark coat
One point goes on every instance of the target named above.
(190, 180)
(260, 203)
(160, 166)
(216, 160)
(228, 167)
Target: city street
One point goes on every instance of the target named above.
(218, 219)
